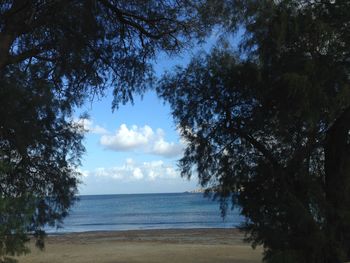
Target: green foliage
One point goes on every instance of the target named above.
(271, 122)
(15, 219)
(53, 56)
(90, 45)
(40, 151)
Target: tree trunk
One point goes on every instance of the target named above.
(337, 187)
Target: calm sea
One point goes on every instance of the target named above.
(146, 211)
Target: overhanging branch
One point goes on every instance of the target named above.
(259, 146)
(121, 16)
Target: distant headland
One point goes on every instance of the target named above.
(196, 191)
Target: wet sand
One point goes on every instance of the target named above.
(171, 246)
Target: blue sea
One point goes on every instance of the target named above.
(146, 211)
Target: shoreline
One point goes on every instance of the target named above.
(51, 234)
(152, 245)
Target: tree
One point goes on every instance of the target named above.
(271, 122)
(40, 151)
(53, 56)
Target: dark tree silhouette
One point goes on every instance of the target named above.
(271, 122)
(53, 56)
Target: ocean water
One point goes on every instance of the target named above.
(146, 211)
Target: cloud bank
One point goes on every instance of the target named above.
(133, 171)
(143, 139)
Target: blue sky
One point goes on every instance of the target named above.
(135, 149)
(131, 150)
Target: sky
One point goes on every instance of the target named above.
(131, 150)
(135, 148)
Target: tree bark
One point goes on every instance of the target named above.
(337, 184)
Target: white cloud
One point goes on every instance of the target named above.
(85, 125)
(131, 171)
(127, 139)
(170, 171)
(137, 173)
(167, 149)
(114, 172)
(142, 139)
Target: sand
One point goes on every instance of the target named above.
(151, 246)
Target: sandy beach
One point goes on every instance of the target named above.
(171, 246)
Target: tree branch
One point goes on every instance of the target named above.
(23, 56)
(250, 139)
(259, 146)
(35, 52)
(121, 17)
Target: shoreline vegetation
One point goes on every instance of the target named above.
(158, 245)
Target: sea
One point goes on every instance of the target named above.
(146, 211)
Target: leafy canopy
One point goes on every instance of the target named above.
(53, 56)
(271, 122)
